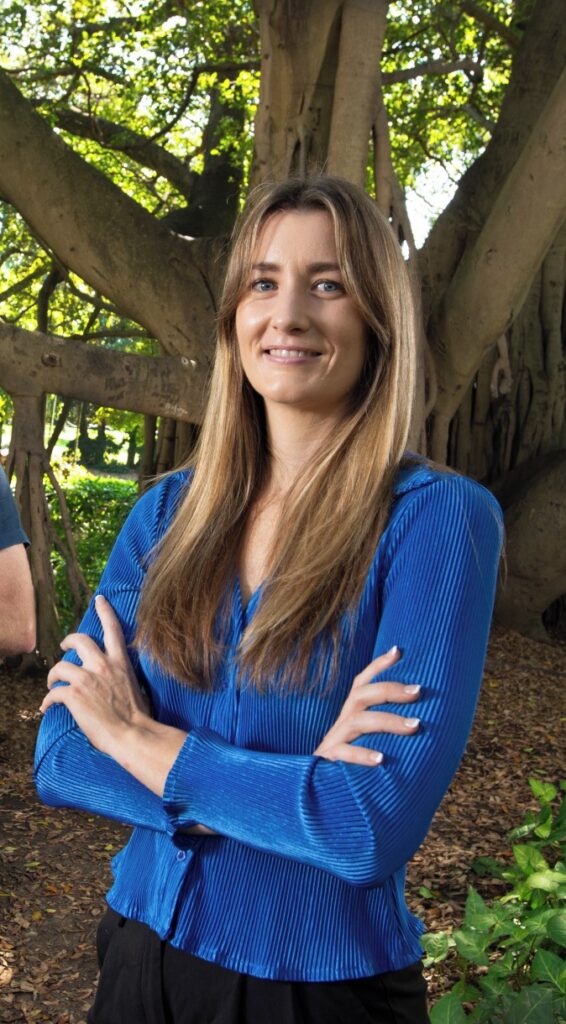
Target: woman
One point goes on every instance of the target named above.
(258, 594)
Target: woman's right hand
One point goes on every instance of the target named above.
(355, 720)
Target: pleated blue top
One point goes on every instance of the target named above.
(305, 881)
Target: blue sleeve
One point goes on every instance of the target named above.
(68, 770)
(11, 531)
(362, 823)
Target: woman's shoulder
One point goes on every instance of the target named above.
(153, 513)
(422, 485)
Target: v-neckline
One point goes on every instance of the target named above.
(246, 606)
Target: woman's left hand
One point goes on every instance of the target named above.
(103, 695)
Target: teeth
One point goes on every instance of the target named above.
(289, 353)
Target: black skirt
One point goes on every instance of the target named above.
(144, 980)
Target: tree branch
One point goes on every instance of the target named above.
(539, 58)
(491, 22)
(45, 74)
(151, 275)
(496, 272)
(434, 67)
(34, 364)
(21, 285)
(118, 137)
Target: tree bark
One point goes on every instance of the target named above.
(362, 32)
(152, 275)
(537, 65)
(493, 278)
(35, 363)
(27, 459)
(536, 560)
(292, 125)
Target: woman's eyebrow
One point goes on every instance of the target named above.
(313, 268)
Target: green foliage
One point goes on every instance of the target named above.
(443, 118)
(510, 952)
(152, 67)
(146, 67)
(98, 507)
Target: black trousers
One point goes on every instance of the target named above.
(144, 980)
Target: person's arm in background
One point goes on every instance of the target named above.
(17, 599)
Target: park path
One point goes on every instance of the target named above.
(54, 865)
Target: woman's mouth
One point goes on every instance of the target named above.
(286, 355)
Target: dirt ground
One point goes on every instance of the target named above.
(54, 865)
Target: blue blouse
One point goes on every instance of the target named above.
(305, 881)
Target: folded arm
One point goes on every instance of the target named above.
(362, 823)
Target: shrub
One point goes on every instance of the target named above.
(510, 951)
(98, 507)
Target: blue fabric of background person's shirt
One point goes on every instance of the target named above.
(11, 531)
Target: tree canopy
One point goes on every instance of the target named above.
(133, 88)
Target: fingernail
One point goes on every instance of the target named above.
(99, 597)
(378, 758)
(393, 650)
(411, 723)
(413, 689)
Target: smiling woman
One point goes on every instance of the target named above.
(283, 601)
(301, 336)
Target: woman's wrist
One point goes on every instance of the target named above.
(147, 750)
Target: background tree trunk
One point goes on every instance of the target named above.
(536, 563)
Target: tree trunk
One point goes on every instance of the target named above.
(30, 463)
(515, 409)
(147, 462)
(536, 558)
(362, 31)
(483, 297)
(27, 457)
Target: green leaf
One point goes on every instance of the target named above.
(549, 881)
(472, 945)
(529, 859)
(448, 1010)
(466, 992)
(545, 822)
(483, 866)
(477, 913)
(546, 966)
(522, 831)
(437, 946)
(544, 791)
(493, 984)
(556, 928)
(532, 1005)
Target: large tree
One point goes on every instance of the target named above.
(128, 139)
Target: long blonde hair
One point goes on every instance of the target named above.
(337, 507)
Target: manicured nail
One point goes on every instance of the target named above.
(412, 723)
(393, 650)
(99, 597)
(378, 758)
(413, 689)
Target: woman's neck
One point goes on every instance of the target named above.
(293, 438)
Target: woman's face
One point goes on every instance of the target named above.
(301, 338)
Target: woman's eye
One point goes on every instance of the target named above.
(262, 284)
(328, 287)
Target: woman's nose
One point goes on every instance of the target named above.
(290, 313)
